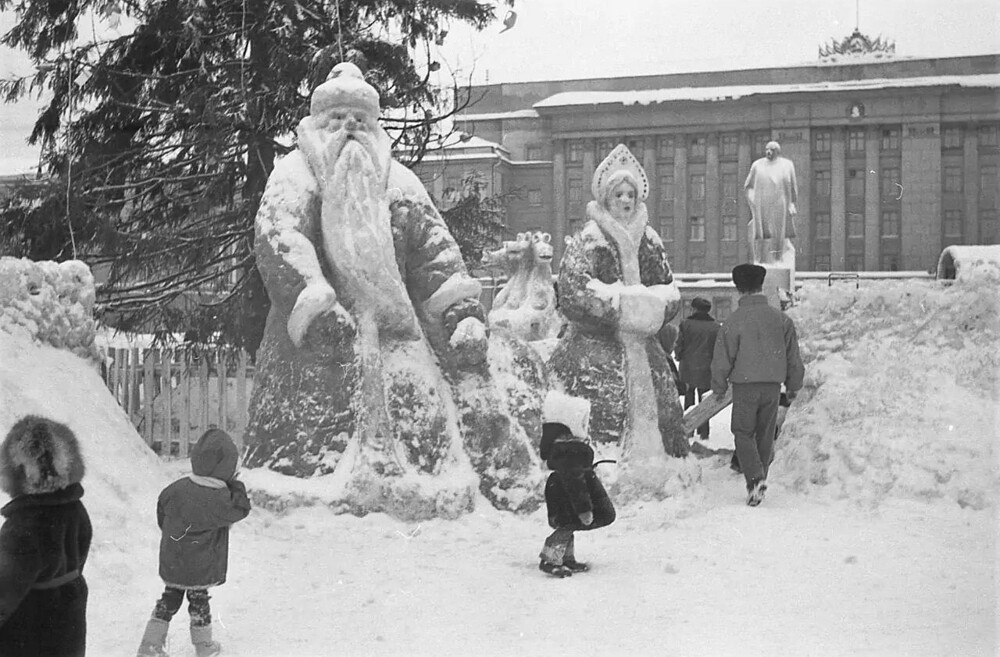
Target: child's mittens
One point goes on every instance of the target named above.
(587, 517)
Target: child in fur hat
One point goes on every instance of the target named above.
(44, 542)
(575, 500)
(194, 514)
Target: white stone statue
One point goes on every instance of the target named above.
(772, 192)
(373, 364)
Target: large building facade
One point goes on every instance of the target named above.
(895, 158)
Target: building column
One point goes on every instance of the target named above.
(920, 207)
(713, 215)
(589, 166)
(743, 164)
(680, 206)
(872, 195)
(648, 159)
(970, 187)
(559, 221)
(838, 200)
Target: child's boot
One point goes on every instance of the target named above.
(201, 637)
(154, 639)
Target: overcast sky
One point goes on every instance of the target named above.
(562, 39)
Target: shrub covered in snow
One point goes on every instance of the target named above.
(50, 303)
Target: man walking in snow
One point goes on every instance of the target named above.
(757, 350)
(694, 349)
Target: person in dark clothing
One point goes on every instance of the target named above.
(784, 403)
(194, 515)
(44, 542)
(694, 348)
(574, 498)
(667, 336)
(757, 350)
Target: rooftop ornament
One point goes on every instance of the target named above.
(857, 46)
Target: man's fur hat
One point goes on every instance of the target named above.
(39, 456)
(749, 277)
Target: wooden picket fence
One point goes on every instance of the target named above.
(174, 395)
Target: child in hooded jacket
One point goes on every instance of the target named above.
(575, 500)
(194, 514)
(44, 542)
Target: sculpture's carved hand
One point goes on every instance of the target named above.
(792, 211)
(469, 340)
(313, 301)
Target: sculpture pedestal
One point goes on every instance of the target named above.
(779, 282)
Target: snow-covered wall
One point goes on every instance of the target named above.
(49, 303)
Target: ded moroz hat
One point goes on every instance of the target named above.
(345, 87)
(748, 277)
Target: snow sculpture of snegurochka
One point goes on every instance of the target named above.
(617, 290)
(373, 368)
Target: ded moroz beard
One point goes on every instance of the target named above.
(357, 233)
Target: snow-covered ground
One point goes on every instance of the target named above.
(878, 535)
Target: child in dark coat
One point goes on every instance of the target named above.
(574, 498)
(194, 515)
(44, 542)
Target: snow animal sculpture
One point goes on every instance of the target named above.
(616, 290)
(528, 309)
(373, 364)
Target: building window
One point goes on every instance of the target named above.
(667, 229)
(697, 264)
(988, 227)
(534, 197)
(696, 148)
(665, 148)
(889, 262)
(890, 139)
(666, 199)
(575, 151)
(759, 143)
(953, 179)
(821, 183)
(729, 145)
(951, 138)
(821, 262)
(574, 195)
(855, 182)
(822, 139)
(953, 224)
(854, 262)
(987, 136)
(822, 221)
(856, 140)
(534, 152)
(989, 186)
(889, 182)
(697, 187)
(729, 186)
(730, 228)
(637, 146)
(855, 225)
(890, 223)
(696, 229)
(604, 148)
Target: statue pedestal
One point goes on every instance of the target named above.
(779, 282)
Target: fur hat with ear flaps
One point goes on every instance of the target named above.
(39, 456)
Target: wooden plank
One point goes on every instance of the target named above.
(167, 357)
(133, 369)
(241, 398)
(185, 391)
(220, 372)
(113, 374)
(149, 363)
(705, 410)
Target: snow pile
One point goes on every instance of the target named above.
(971, 264)
(900, 395)
(50, 303)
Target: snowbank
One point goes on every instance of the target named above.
(901, 392)
(970, 263)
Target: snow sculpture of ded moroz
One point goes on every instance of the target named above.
(617, 290)
(373, 364)
(772, 192)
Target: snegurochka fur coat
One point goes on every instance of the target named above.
(612, 330)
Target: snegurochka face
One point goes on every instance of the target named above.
(622, 201)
